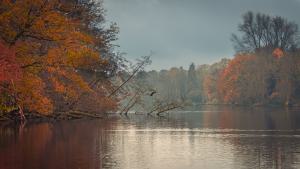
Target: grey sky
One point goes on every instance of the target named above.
(180, 32)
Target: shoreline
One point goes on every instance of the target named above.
(14, 117)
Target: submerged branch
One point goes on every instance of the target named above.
(14, 116)
(168, 109)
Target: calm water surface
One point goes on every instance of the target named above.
(207, 137)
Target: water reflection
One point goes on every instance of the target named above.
(75, 144)
(207, 137)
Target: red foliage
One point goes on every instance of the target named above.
(278, 53)
(227, 85)
(9, 69)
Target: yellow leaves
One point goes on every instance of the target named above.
(82, 57)
(78, 50)
(74, 51)
(79, 37)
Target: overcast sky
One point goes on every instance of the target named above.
(180, 32)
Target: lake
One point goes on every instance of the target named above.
(207, 137)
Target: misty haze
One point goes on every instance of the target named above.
(149, 84)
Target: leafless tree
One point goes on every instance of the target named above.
(260, 31)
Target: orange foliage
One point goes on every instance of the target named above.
(49, 46)
(29, 91)
(278, 53)
(227, 84)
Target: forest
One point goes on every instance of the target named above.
(264, 71)
(58, 60)
(56, 56)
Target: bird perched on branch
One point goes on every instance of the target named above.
(153, 92)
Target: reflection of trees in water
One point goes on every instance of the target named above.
(72, 144)
(152, 121)
(223, 117)
(259, 147)
(262, 149)
(255, 118)
(96, 144)
(266, 152)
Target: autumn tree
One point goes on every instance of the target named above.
(259, 78)
(60, 49)
(9, 69)
(209, 89)
(9, 72)
(230, 83)
(288, 79)
(263, 31)
(211, 75)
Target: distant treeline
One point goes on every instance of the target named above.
(57, 59)
(249, 79)
(265, 69)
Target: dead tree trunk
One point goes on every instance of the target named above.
(21, 113)
(131, 106)
(157, 107)
(140, 66)
(168, 108)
